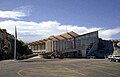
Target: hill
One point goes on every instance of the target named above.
(7, 46)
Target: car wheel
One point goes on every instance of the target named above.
(114, 60)
(110, 60)
(117, 60)
(52, 57)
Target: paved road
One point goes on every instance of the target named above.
(59, 68)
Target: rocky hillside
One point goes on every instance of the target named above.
(7, 46)
(116, 44)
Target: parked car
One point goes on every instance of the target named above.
(114, 58)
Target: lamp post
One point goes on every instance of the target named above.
(15, 43)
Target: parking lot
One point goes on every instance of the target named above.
(60, 68)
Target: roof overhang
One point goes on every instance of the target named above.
(65, 36)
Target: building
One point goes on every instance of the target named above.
(69, 44)
(54, 43)
(87, 43)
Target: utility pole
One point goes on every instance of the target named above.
(15, 44)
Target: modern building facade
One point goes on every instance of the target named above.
(69, 44)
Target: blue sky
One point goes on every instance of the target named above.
(37, 19)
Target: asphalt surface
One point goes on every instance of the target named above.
(59, 68)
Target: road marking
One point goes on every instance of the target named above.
(97, 70)
(52, 72)
(20, 74)
(98, 65)
(109, 63)
(58, 68)
(107, 73)
(76, 72)
(103, 66)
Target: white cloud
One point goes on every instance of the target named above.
(17, 13)
(32, 31)
(11, 14)
(107, 34)
(24, 9)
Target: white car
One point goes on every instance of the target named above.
(117, 58)
(114, 58)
